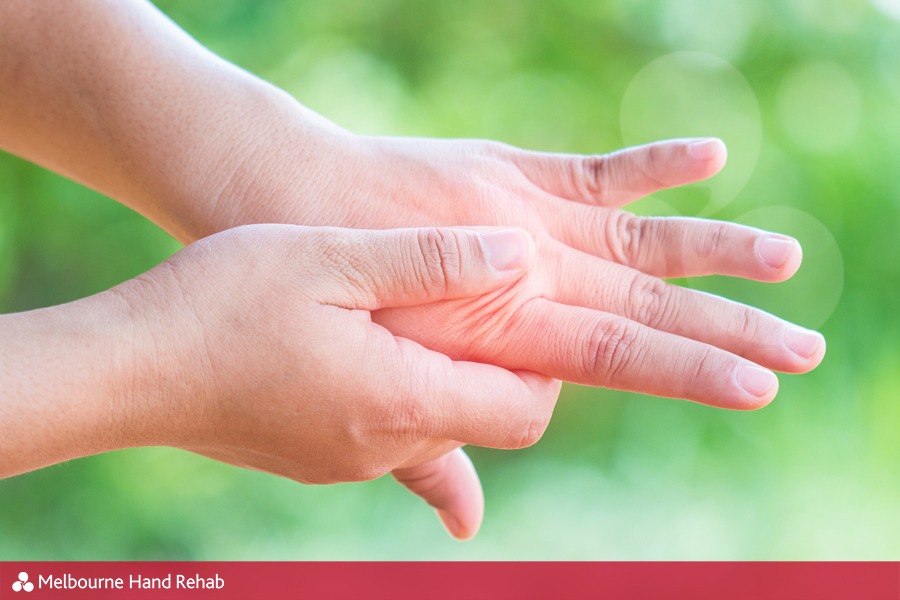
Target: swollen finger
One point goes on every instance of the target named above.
(594, 348)
(472, 403)
(743, 330)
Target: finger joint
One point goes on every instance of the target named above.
(611, 347)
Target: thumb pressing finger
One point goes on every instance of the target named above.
(450, 485)
(402, 267)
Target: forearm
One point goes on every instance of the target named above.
(112, 94)
(73, 382)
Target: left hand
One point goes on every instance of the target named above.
(598, 268)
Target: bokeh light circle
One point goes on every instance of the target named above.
(812, 295)
(891, 8)
(695, 94)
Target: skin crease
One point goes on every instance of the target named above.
(281, 314)
(123, 101)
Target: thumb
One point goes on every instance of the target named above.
(403, 267)
(450, 485)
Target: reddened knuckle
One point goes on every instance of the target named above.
(612, 346)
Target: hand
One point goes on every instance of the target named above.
(593, 309)
(198, 165)
(259, 344)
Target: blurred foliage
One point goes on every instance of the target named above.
(806, 94)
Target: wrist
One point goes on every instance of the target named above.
(271, 168)
(67, 381)
(162, 357)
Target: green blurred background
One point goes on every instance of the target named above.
(806, 94)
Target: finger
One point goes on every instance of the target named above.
(594, 348)
(451, 486)
(402, 267)
(613, 180)
(754, 334)
(472, 403)
(676, 246)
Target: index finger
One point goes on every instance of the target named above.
(468, 402)
(613, 180)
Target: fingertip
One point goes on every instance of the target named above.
(459, 530)
(807, 348)
(708, 150)
(780, 256)
(756, 387)
(450, 485)
(709, 156)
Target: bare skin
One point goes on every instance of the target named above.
(269, 360)
(122, 100)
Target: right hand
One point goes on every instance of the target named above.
(255, 347)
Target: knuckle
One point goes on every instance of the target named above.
(494, 148)
(407, 418)
(709, 245)
(626, 233)
(747, 323)
(653, 158)
(441, 259)
(649, 301)
(592, 177)
(701, 368)
(611, 348)
(652, 162)
(404, 412)
(340, 259)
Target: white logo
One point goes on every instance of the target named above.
(23, 583)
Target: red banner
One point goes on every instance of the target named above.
(423, 581)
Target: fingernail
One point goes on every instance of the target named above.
(705, 149)
(450, 523)
(505, 250)
(775, 252)
(803, 342)
(755, 380)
